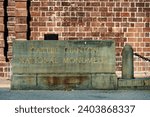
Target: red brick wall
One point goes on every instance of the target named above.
(125, 21)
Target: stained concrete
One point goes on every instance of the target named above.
(138, 83)
(6, 94)
(63, 65)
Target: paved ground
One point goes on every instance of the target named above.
(7, 94)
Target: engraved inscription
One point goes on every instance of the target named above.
(81, 50)
(35, 60)
(53, 59)
(51, 50)
(63, 56)
(81, 60)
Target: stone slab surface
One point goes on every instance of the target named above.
(64, 81)
(104, 81)
(138, 83)
(63, 57)
(6, 94)
(63, 65)
(24, 82)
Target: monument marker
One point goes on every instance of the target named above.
(63, 64)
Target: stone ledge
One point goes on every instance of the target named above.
(139, 83)
(64, 81)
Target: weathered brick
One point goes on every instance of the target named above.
(95, 19)
(20, 5)
(21, 28)
(1, 27)
(21, 12)
(146, 29)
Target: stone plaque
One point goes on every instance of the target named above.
(63, 57)
(63, 65)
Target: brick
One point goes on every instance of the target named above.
(1, 43)
(139, 4)
(125, 14)
(43, 9)
(130, 34)
(125, 4)
(35, 13)
(146, 9)
(1, 74)
(146, 29)
(146, 49)
(1, 51)
(117, 19)
(20, 0)
(146, 39)
(21, 20)
(21, 36)
(1, 20)
(132, 29)
(1, 35)
(43, 29)
(132, 19)
(20, 28)
(20, 5)
(35, 4)
(66, 3)
(21, 13)
(1, 4)
(1, 27)
(38, 24)
(1, 12)
(118, 9)
(133, 9)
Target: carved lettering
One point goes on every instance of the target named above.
(81, 60)
(51, 50)
(81, 50)
(35, 60)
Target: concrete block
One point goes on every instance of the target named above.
(139, 83)
(64, 81)
(104, 81)
(23, 82)
(63, 57)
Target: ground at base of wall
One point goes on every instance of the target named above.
(74, 95)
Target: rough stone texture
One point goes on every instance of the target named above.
(23, 82)
(139, 83)
(104, 81)
(63, 57)
(127, 62)
(64, 65)
(64, 81)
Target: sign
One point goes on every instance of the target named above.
(63, 57)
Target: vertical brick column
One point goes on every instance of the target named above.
(2, 58)
(11, 26)
(1, 29)
(17, 22)
(21, 19)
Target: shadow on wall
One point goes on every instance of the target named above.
(5, 30)
(28, 19)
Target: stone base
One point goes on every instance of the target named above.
(139, 83)
(104, 81)
(63, 81)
